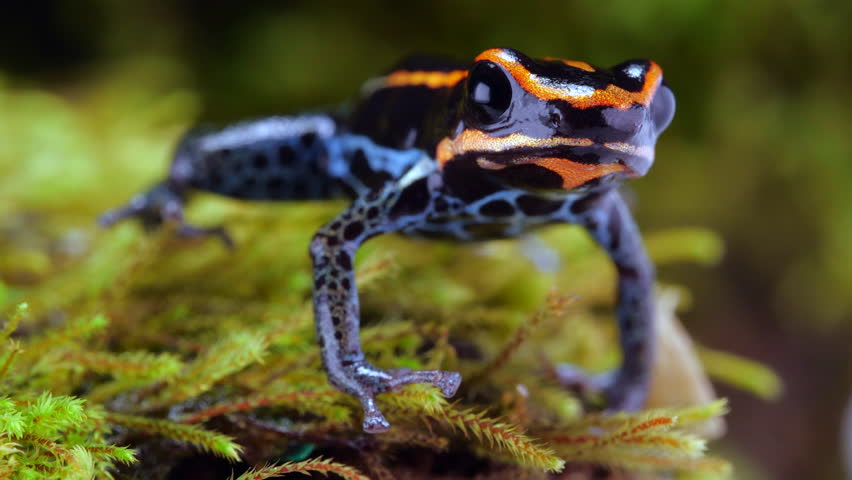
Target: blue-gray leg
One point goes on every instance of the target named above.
(277, 158)
(336, 309)
(610, 223)
(161, 204)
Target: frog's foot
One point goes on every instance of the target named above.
(162, 204)
(191, 231)
(621, 393)
(366, 381)
(145, 207)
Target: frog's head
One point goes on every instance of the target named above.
(558, 124)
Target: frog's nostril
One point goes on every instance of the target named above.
(626, 121)
(555, 119)
(662, 108)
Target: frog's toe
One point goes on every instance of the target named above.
(625, 396)
(581, 381)
(620, 393)
(374, 420)
(375, 424)
(447, 382)
(149, 219)
(365, 381)
(111, 217)
(220, 232)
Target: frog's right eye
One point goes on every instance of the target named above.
(489, 92)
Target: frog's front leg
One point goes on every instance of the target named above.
(336, 309)
(610, 223)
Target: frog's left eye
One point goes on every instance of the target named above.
(489, 92)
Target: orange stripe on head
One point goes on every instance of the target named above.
(579, 96)
(424, 78)
(478, 141)
(574, 174)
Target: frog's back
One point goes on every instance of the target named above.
(410, 106)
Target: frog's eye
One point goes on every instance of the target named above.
(489, 92)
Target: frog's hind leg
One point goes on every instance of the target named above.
(163, 203)
(277, 158)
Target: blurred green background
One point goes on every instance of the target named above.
(760, 149)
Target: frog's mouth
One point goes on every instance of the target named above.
(569, 162)
(572, 174)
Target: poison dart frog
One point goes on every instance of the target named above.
(476, 151)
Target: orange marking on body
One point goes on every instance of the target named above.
(423, 78)
(477, 141)
(611, 96)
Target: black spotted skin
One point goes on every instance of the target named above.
(484, 150)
